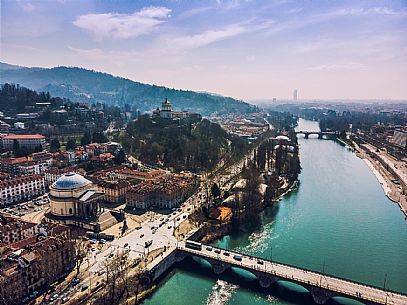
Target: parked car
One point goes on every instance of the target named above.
(54, 297)
(76, 281)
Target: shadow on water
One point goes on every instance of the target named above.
(244, 279)
(266, 216)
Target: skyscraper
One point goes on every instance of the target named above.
(295, 94)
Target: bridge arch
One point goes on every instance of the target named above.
(320, 287)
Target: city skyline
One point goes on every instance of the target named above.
(244, 49)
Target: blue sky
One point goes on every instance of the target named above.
(244, 49)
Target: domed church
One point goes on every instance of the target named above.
(75, 201)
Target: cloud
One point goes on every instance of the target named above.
(372, 11)
(123, 26)
(211, 36)
(26, 5)
(231, 4)
(340, 66)
(207, 37)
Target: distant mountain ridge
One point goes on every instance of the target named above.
(82, 85)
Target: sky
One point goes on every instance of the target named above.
(243, 49)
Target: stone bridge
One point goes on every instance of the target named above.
(322, 287)
(321, 134)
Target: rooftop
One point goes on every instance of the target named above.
(70, 181)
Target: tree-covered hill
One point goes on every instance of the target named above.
(81, 85)
(14, 99)
(181, 145)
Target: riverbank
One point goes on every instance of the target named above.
(385, 179)
(215, 232)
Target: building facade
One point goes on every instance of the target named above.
(12, 165)
(21, 189)
(29, 141)
(166, 112)
(13, 229)
(30, 265)
(160, 193)
(75, 201)
(114, 192)
(400, 138)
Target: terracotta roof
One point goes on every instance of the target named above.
(163, 186)
(12, 161)
(19, 180)
(23, 136)
(60, 171)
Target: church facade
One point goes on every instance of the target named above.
(75, 201)
(166, 112)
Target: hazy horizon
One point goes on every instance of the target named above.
(248, 50)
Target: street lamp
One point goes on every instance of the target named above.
(323, 272)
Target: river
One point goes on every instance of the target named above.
(338, 221)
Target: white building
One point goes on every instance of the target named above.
(19, 125)
(166, 112)
(400, 138)
(21, 188)
(33, 167)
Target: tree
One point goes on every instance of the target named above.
(116, 284)
(16, 148)
(86, 139)
(99, 137)
(81, 252)
(215, 190)
(120, 157)
(71, 144)
(54, 145)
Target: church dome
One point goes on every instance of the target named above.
(70, 181)
(282, 137)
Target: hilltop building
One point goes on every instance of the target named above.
(166, 112)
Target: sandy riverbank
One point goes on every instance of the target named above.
(385, 179)
(379, 177)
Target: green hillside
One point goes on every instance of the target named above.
(81, 85)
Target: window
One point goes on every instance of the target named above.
(70, 211)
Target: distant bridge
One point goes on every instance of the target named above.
(321, 134)
(321, 287)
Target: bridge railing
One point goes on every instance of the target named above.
(300, 268)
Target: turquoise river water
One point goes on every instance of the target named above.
(338, 221)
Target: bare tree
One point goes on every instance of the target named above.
(117, 279)
(81, 252)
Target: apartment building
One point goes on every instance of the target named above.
(21, 188)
